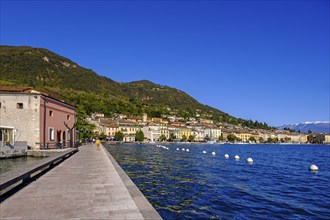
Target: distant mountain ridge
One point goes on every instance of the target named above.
(318, 127)
(66, 80)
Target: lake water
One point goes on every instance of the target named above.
(17, 162)
(193, 185)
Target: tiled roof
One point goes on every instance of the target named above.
(20, 89)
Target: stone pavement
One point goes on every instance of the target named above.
(88, 185)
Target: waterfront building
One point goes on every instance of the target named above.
(327, 138)
(316, 138)
(38, 119)
(303, 138)
(283, 137)
(153, 131)
(213, 133)
(184, 131)
(295, 138)
(174, 130)
(110, 127)
(129, 130)
(244, 137)
(198, 133)
(265, 136)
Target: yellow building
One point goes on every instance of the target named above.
(185, 132)
(129, 130)
(244, 137)
(327, 139)
(303, 139)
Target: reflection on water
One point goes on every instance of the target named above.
(183, 185)
(17, 162)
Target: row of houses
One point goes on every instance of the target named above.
(155, 128)
(37, 120)
(153, 131)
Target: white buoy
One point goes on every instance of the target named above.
(177, 149)
(204, 152)
(313, 167)
(213, 153)
(249, 160)
(183, 149)
(236, 157)
(187, 150)
(167, 148)
(226, 156)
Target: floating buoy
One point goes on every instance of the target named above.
(187, 150)
(183, 149)
(226, 156)
(213, 153)
(177, 149)
(313, 167)
(249, 160)
(204, 152)
(167, 148)
(236, 157)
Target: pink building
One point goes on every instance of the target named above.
(37, 118)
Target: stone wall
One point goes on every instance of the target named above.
(21, 111)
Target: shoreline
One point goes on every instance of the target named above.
(205, 143)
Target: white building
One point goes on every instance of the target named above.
(213, 133)
(152, 132)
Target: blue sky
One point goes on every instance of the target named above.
(259, 60)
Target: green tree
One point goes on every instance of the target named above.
(85, 129)
(162, 137)
(221, 138)
(119, 136)
(270, 140)
(139, 136)
(183, 138)
(191, 138)
(102, 136)
(287, 139)
(231, 138)
(172, 137)
(252, 139)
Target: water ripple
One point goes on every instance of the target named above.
(278, 185)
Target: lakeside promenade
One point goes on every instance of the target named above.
(88, 185)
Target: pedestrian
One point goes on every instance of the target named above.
(98, 144)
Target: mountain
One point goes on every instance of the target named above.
(66, 80)
(318, 127)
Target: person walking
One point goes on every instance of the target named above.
(98, 144)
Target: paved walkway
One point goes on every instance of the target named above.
(88, 185)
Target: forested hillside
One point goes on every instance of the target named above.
(66, 80)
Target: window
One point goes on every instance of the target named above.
(51, 113)
(69, 135)
(19, 105)
(51, 134)
(68, 117)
